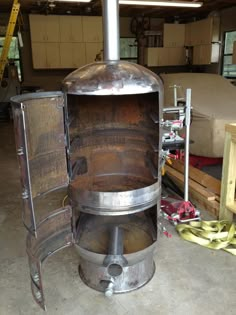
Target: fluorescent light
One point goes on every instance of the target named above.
(181, 4)
(70, 1)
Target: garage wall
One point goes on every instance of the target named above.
(51, 79)
(46, 79)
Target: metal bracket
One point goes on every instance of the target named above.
(54, 233)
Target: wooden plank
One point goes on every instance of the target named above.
(193, 186)
(211, 183)
(212, 207)
(228, 175)
(231, 128)
(232, 207)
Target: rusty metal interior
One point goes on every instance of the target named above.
(110, 141)
(110, 151)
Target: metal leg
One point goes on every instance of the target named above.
(187, 141)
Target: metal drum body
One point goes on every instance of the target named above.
(100, 140)
(114, 135)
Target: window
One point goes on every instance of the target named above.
(229, 69)
(14, 53)
(128, 49)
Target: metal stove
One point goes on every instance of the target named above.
(100, 138)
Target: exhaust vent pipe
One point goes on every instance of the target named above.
(111, 30)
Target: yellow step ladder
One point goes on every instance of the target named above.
(8, 38)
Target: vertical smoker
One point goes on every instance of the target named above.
(100, 138)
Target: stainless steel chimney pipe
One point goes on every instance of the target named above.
(111, 31)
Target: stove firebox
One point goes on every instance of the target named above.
(100, 139)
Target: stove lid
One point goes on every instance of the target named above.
(112, 78)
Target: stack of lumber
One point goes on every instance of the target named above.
(204, 190)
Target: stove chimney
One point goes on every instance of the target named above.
(111, 30)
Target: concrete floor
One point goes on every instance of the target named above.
(189, 279)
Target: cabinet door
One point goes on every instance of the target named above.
(92, 49)
(44, 28)
(39, 56)
(52, 28)
(205, 56)
(66, 55)
(174, 35)
(188, 37)
(79, 55)
(37, 28)
(53, 55)
(46, 55)
(202, 32)
(71, 29)
(206, 31)
(151, 56)
(196, 33)
(196, 55)
(92, 29)
(72, 55)
(162, 56)
(202, 54)
(177, 56)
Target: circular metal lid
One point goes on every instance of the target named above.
(112, 78)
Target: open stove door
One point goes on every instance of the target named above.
(41, 144)
(54, 234)
(41, 149)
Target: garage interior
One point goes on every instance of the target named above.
(96, 102)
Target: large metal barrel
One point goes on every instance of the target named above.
(115, 149)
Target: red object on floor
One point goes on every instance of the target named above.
(179, 211)
(201, 161)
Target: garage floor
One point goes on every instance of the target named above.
(189, 279)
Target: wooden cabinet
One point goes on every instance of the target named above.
(72, 55)
(174, 35)
(36, 24)
(150, 58)
(65, 41)
(206, 54)
(92, 50)
(202, 32)
(92, 29)
(71, 29)
(156, 56)
(176, 56)
(165, 56)
(197, 55)
(39, 55)
(196, 33)
(188, 37)
(206, 28)
(44, 28)
(46, 55)
(162, 56)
